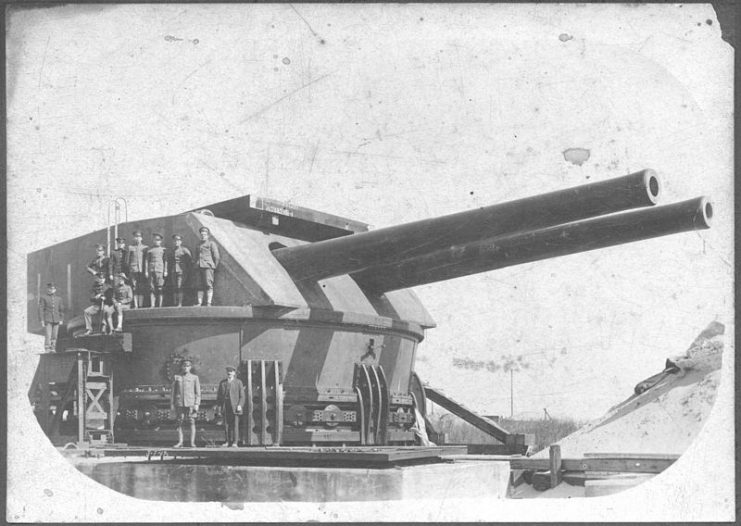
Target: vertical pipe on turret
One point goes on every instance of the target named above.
(68, 302)
(511, 393)
(117, 219)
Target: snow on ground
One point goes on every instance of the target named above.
(664, 419)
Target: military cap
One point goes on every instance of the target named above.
(204, 229)
(51, 284)
(157, 235)
(230, 369)
(120, 239)
(99, 247)
(177, 236)
(137, 233)
(99, 277)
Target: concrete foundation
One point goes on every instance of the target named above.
(204, 483)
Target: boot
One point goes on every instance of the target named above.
(200, 298)
(179, 298)
(152, 300)
(209, 297)
(180, 437)
(160, 297)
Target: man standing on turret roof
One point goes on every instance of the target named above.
(156, 270)
(119, 259)
(136, 260)
(207, 261)
(179, 266)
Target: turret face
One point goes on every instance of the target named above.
(311, 308)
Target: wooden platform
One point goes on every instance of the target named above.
(376, 456)
(610, 462)
(545, 473)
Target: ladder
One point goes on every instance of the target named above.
(90, 388)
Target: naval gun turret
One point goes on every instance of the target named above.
(315, 310)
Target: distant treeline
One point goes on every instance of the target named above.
(546, 431)
(490, 365)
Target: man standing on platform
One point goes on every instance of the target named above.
(51, 314)
(207, 262)
(155, 270)
(180, 265)
(136, 260)
(185, 398)
(119, 260)
(230, 400)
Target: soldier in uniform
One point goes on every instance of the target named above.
(96, 299)
(156, 270)
(119, 259)
(136, 261)
(107, 308)
(207, 262)
(100, 265)
(122, 297)
(230, 400)
(180, 264)
(51, 314)
(185, 398)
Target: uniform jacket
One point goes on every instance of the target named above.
(120, 261)
(123, 294)
(208, 254)
(51, 308)
(136, 257)
(231, 393)
(186, 390)
(156, 259)
(100, 265)
(180, 260)
(98, 292)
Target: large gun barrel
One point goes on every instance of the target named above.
(581, 236)
(391, 245)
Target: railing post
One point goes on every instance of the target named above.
(555, 465)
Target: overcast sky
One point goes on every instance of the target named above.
(388, 114)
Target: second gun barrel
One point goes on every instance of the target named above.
(581, 236)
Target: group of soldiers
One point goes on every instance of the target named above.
(145, 268)
(185, 400)
(148, 268)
